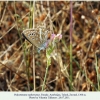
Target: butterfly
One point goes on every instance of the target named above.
(37, 36)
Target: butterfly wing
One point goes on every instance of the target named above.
(34, 37)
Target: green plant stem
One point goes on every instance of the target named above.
(97, 73)
(33, 10)
(48, 53)
(44, 82)
(71, 29)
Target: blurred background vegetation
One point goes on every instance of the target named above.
(16, 54)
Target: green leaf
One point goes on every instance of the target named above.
(49, 50)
